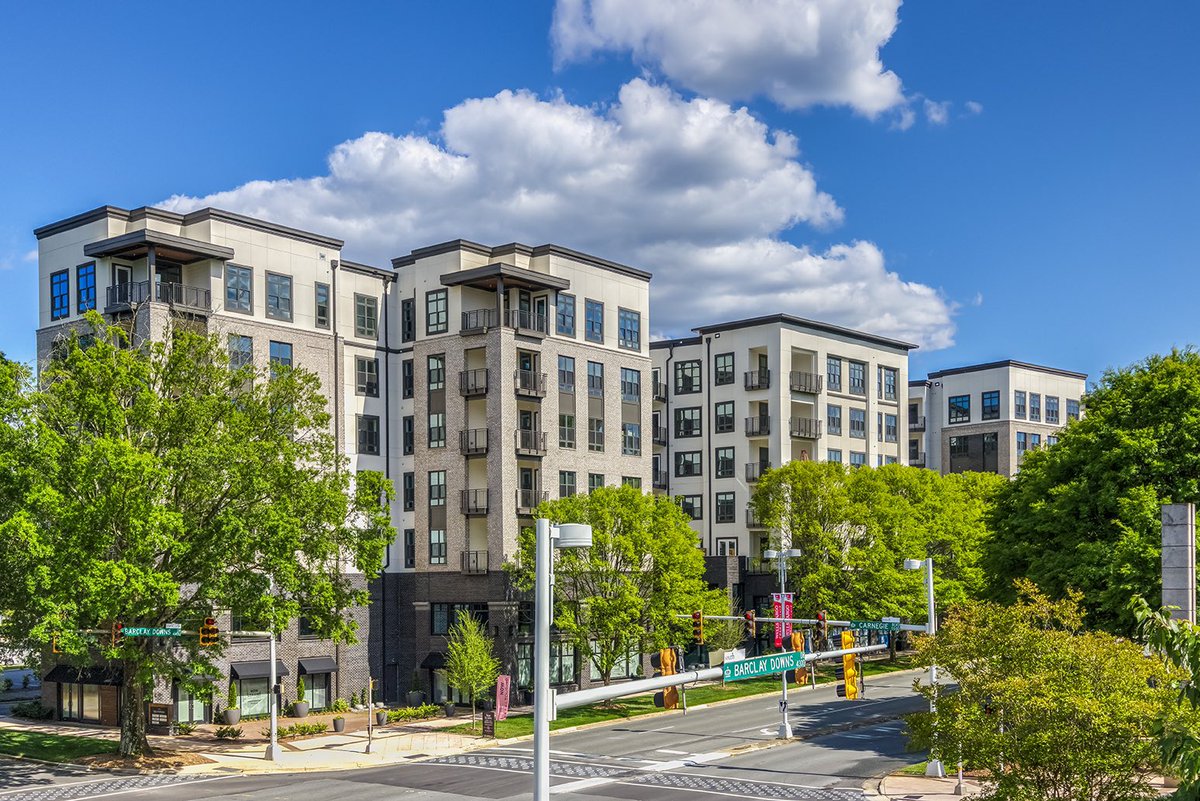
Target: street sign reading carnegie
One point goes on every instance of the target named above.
(874, 625)
(762, 665)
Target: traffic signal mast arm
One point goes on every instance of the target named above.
(806, 621)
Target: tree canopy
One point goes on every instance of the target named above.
(156, 484)
(471, 663)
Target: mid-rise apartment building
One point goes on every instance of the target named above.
(985, 417)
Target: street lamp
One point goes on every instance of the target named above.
(548, 537)
(273, 750)
(781, 557)
(934, 767)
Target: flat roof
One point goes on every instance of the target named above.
(517, 247)
(136, 244)
(487, 277)
(674, 343)
(1006, 363)
(814, 325)
(368, 269)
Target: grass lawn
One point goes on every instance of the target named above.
(52, 747)
(520, 725)
(913, 770)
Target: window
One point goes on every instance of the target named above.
(631, 439)
(85, 286)
(564, 322)
(60, 295)
(281, 354)
(562, 662)
(687, 422)
(1035, 441)
(566, 431)
(1035, 406)
(437, 429)
(595, 481)
(437, 313)
(631, 385)
(436, 367)
(366, 376)
(408, 320)
(687, 377)
(407, 434)
(437, 487)
(322, 305)
(1072, 409)
(858, 423)
(237, 288)
(629, 329)
(279, 296)
(960, 409)
(858, 459)
(833, 373)
(959, 446)
(687, 463)
(889, 382)
(879, 426)
(858, 378)
(368, 434)
(989, 407)
(406, 378)
(410, 491)
(631, 481)
(366, 316)
(692, 506)
(724, 463)
(241, 351)
(723, 417)
(724, 507)
(834, 455)
(596, 379)
(833, 417)
(1022, 445)
(1051, 440)
(593, 320)
(566, 374)
(889, 428)
(596, 434)
(1052, 409)
(410, 547)
(1019, 404)
(566, 483)
(437, 546)
(625, 666)
(723, 369)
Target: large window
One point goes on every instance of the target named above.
(237, 288)
(990, 405)
(858, 378)
(723, 369)
(723, 467)
(562, 662)
(85, 286)
(368, 434)
(631, 439)
(564, 322)
(631, 385)
(596, 379)
(629, 329)
(409, 494)
(687, 463)
(724, 507)
(281, 354)
(593, 323)
(241, 351)
(858, 459)
(437, 429)
(833, 373)
(437, 315)
(406, 378)
(1052, 409)
(408, 320)
(437, 546)
(687, 377)
(889, 428)
(366, 316)
(858, 423)
(1035, 406)
(833, 419)
(595, 481)
(566, 431)
(889, 382)
(723, 417)
(1072, 409)
(279, 296)
(960, 409)
(366, 376)
(692, 506)
(322, 305)
(60, 295)
(596, 434)
(959, 446)
(626, 666)
(436, 372)
(437, 487)
(566, 483)
(687, 422)
(834, 455)
(566, 374)
(1019, 404)
(406, 435)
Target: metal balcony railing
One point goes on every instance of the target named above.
(530, 384)
(530, 443)
(752, 520)
(758, 379)
(758, 426)
(755, 470)
(474, 563)
(477, 321)
(660, 391)
(917, 423)
(804, 427)
(527, 322)
(474, 502)
(804, 382)
(659, 479)
(528, 500)
(753, 566)
(181, 295)
(473, 441)
(660, 435)
(473, 383)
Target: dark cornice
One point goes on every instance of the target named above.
(660, 344)
(367, 269)
(975, 368)
(812, 325)
(518, 248)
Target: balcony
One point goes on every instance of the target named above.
(527, 322)
(528, 500)
(758, 379)
(660, 392)
(474, 502)
(804, 428)
(530, 384)
(474, 563)
(177, 295)
(804, 382)
(659, 435)
(917, 423)
(659, 479)
(755, 470)
(753, 566)
(473, 441)
(473, 383)
(758, 426)
(752, 520)
(530, 443)
(478, 321)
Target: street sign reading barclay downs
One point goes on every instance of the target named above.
(762, 666)
(142, 631)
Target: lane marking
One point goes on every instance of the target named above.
(146, 789)
(669, 751)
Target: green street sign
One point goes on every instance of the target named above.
(874, 625)
(142, 631)
(762, 665)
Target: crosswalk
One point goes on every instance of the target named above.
(83, 789)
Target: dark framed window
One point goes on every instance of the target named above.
(595, 481)
(724, 507)
(889, 383)
(879, 426)
(562, 662)
(1035, 441)
(960, 446)
(60, 295)
(366, 316)
(408, 320)
(1035, 406)
(322, 305)
(437, 487)
(410, 491)
(687, 422)
(564, 318)
(631, 439)
(593, 320)
(596, 434)
(281, 354)
(629, 329)
(566, 483)
(241, 351)
(566, 374)
(989, 405)
(858, 423)
(889, 428)
(1019, 404)
(631, 385)
(596, 379)
(435, 366)
(858, 378)
(687, 463)
(858, 459)
(834, 455)
(960, 409)
(366, 376)
(406, 429)
(833, 419)
(85, 286)
(566, 431)
(723, 463)
(1072, 409)
(692, 506)
(687, 377)
(410, 547)
(238, 289)
(1052, 409)
(279, 297)
(723, 417)
(368, 434)
(723, 369)
(833, 373)
(406, 378)
(437, 314)
(437, 429)
(1022, 444)
(437, 546)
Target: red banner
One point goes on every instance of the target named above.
(782, 602)
(503, 690)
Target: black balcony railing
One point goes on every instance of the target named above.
(660, 435)
(804, 382)
(753, 566)
(473, 383)
(473, 441)
(804, 427)
(478, 320)
(659, 479)
(530, 384)
(758, 379)
(752, 520)
(527, 322)
(474, 563)
(758, 426)
(754, 470)
(660, 391)
(917, 423)
(182, 295)
(474, 502)
(528, 500)
(530, 443)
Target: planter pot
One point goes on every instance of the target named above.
(486, 705)
(381, 717)
(339, 724)
(448, 709)
(300, 709)
(232, 716)
(415, 698)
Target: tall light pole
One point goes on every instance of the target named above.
(781, 557)
(548, 537)
(273, 752)
(934, 767)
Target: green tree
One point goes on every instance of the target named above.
(159, 485)
(471, 664)
(621, 596)
(1085, 513)
(1047, 710)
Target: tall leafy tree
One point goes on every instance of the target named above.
(471, 663)
(620, 597)
(1085, 514)
(159, 485)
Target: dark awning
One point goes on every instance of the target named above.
(488, 277)
(260, 669)
(95, 674)
(136, 244)
(318, 664)
(435, 660)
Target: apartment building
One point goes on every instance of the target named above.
(744, 396)
(986, 417)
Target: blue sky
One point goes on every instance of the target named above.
(1017, 179)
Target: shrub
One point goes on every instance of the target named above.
(185, 728)
(362, 697)
(340, 705)
(6, 685)
(300, 689)
(297, 730)
(232, 697)
(229, 732)
(32, 710)
(421, 712)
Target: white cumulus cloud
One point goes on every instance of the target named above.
(798, 53)
(696, 191)
(937, 112)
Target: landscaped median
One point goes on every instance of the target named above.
(52, 747)
(636, 706)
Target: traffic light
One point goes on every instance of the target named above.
(54, 643)
(118, 633)
(209, 632)
(749, 616)
(847, 672)
(798, 641)
(823, 628)
(698, 627)
(665, 663)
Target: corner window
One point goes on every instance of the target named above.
(368, 434)
(687, 377)
(322, 305)
(366, 376)
(593, 311)
(629, 329)
(85, 286)
(237, 288)
(960, 409)
(990, 406)
(279, 297)
(564, 319)
(60, 295)
(366, 316)
(1072, 409)
(437, 315)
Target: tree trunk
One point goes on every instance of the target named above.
(133, 713)
(472, 711)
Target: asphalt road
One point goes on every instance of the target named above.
(728, 751)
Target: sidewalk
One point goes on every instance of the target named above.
(923, 788)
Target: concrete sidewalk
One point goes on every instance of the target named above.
(922, 788)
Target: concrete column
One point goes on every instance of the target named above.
(1179, 560)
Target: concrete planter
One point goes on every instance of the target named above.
(300, 709)
(415, 698)
(339, 724)
(232, 716)
(381, 717)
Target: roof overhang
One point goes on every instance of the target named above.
(257, 669)
(136, 244)
(489, 275)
